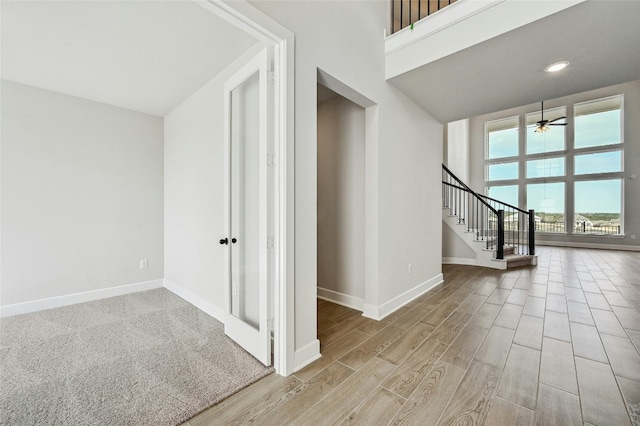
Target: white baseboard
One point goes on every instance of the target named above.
(197, 301)
(588, 245)
(306, 355)
(72, 299)
(380, 312)
(341, 298)
(459, 261)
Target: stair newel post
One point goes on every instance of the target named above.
(480, 225)
(474, 217)
(446, 190)
(469, 213)
(477, 215)
(515, 232)
(458, 204)
(520, 231)
(454, 198)
(443, 190)
(500, 248)
(459, 212)
(532, 233)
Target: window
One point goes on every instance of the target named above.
(547, 199)
(598, 123)
(502, 138)
(598, 205)
(549, 141)
(545, 167)
(600, 162)
(584, 166)
(507, 193)
(502, 171)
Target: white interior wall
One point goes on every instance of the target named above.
(194, 195)
(631, 92)
(453, 247)
(457, 160)
(82, 196)
(409, 154)
(458, 149)
(341, 202)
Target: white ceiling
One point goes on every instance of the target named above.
(601, 39)
(148, 56)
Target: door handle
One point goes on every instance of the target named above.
(224, 241)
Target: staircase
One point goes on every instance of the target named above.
(500, 235)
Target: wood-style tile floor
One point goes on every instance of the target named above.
(554, 344)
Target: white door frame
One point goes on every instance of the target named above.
(251, 20)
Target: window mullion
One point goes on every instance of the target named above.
(569, 171)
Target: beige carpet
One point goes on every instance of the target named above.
(147, 358)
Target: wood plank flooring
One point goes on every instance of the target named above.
(554, 344)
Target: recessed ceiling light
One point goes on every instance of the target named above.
(557, 66)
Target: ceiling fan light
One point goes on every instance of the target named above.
(542, 129)
(557, 66)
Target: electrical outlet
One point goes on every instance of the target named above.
(409, 269)
(144, 264)
(633, 237)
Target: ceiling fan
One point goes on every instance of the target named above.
(543, 125)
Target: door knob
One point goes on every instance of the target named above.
(224, 241)
(233, 240)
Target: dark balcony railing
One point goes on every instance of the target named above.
(495, 223)
(584, 228)
(559, 227)
(406, 12)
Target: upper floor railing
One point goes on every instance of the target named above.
(405, 13)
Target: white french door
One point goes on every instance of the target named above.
(247, 273)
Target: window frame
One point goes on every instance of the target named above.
(569, 154)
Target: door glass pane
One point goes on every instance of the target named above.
(545, 167)
(502, 171)
(547, 199)
(245, 208)
(601, 162)
(598, 206)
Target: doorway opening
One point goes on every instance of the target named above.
(346, 194)
(341, 199)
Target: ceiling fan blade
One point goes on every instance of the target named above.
(556, 119)
(557, 124)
